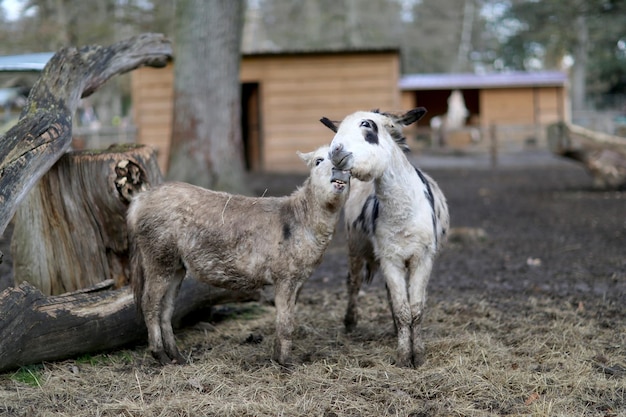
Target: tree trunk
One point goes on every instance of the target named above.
(35, 328)
(44, 131)
(76, 213)
(603, 155)
(579, 69)
(207, 145)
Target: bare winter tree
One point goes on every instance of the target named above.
(207, 145)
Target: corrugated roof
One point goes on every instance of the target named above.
(25, 62)
(493, 80)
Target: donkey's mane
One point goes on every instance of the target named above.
(395, 130)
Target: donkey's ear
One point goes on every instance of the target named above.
(329, 124)
(412, 116)
(306, 157)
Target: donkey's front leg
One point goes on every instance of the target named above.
(419, 275)
(286, 293)
(396, 285)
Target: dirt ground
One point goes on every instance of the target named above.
(526, 316)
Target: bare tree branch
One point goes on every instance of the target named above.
(44, 131)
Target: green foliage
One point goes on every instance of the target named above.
(29, 375)
(546, 31)
(93, 360)
(505, 34)
(123, 356)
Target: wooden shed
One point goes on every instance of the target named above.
(519, 105)
(283, 97)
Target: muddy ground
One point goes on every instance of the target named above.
(547, 232)
(527, 315)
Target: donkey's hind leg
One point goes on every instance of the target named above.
(167, 331)
(354, 281)
(154, 291)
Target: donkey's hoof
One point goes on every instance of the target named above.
(404, 363)
(287, 367)
(349, 324)
(284, 361)
(176, 357)
(418, 359)
(179, 360)
(404, 359)
(161, 357)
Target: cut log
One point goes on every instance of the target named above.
(44, 131)
(603, 155)
(70, 230)
(35, 328)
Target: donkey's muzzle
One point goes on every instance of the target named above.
(341, 158)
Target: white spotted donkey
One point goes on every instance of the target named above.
(396, 217)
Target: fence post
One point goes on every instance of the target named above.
(493, 145)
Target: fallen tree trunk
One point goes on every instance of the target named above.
(35, 328)
(603, 155)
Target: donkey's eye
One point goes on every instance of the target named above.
(319, 161)
(366, 124)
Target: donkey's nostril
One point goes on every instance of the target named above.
(336, 149)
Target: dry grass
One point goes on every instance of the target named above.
(485, 357)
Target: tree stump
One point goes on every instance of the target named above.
(70, 230)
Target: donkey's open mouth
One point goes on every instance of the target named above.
(339, 178)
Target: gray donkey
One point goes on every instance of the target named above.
(230, 241)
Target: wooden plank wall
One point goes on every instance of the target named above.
(152, 94)
(521, 114)
(521, 106)
(295, 91)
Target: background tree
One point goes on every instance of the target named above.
(587, 31)
(434, 35)
(327, 24)
(48, 25)
(206, 138)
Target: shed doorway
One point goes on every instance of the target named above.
(251, 125)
